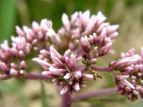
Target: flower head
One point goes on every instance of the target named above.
(65, 71)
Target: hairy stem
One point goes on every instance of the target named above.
(66, 100)
(103, 92)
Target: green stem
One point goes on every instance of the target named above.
(43, 95)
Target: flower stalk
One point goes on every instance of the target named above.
(66, 100)
(102, 68)
(94, 94)
(31, 76)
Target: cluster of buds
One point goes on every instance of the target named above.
(130, 78)
(83, 24)
(66, 72)
(80, 24)
(88, 37)
(13, 55)
(95, 46)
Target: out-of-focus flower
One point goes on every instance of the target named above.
(127, 60)
(130, 79)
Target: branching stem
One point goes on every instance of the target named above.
(66, 100)
(102, 68)
(30, 76)
(103, 92)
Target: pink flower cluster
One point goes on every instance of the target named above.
(86, 38)
(66, 72)
(13, 55)
(130, 78)
(88, 31)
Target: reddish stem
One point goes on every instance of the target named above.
(103, 92)
(33, 76)
(36, 77)
(66, 100)
(102, 68)
(30, 76)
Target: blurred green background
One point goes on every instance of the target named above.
(127, 13)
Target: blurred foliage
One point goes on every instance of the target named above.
(10, 86)
(7, 18)
(127, 13)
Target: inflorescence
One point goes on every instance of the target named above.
(68, 57)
